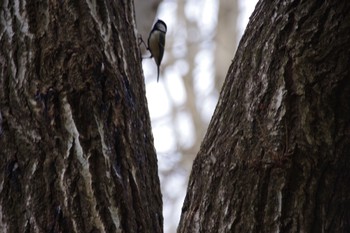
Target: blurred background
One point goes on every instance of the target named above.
(201, 42)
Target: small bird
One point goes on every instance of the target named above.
(156, 42)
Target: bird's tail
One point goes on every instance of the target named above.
(157, 73)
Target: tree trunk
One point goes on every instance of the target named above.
(76, 146)
(276, 154)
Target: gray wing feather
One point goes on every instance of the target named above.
(161, 47)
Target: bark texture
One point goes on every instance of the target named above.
(76, 146)
(276, 154)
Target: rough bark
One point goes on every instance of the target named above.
(276, 154)
(76, 147)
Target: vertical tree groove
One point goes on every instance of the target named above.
(76, 146)
(276, 154)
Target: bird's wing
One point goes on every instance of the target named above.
(161, 47)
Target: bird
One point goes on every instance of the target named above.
(156, 42)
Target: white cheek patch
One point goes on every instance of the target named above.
(161, 27)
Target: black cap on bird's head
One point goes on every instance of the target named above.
(160, 26)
